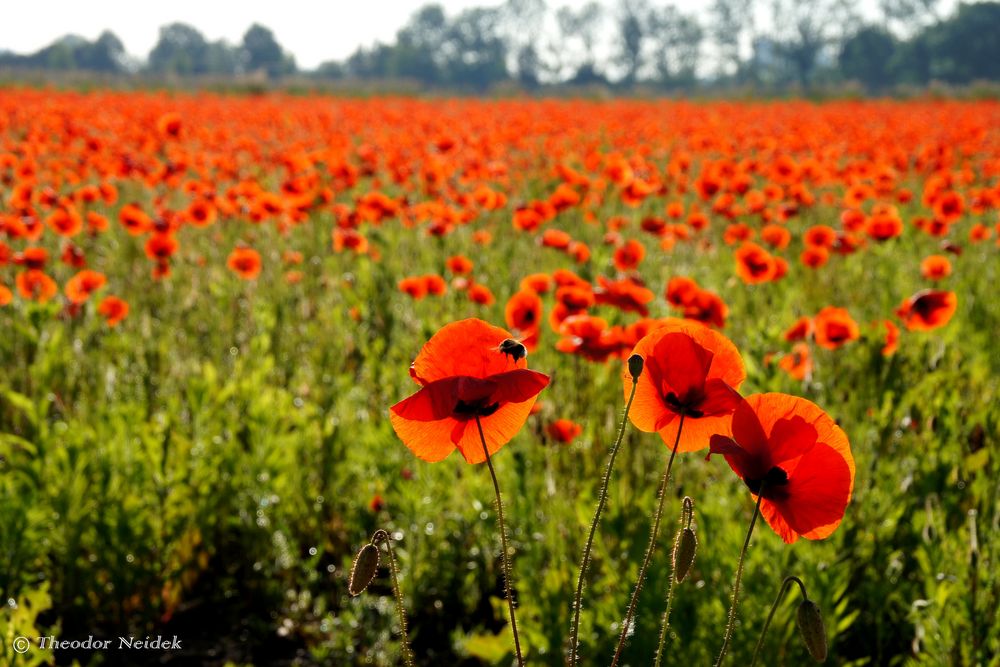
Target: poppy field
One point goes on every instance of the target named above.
(731, 366)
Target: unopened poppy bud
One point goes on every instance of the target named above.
(635, 363)
(685, 547)
(810, 623)
(364, 569)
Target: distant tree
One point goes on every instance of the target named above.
(804, 31)
(966, 47)
(522, 28)
(730, 23)
(676, 40)
(866, 57)
(416, 48)
(580, 27)
(181, 49)
(633, 17)
(911, 62)
(223, 59)
(263, 53)
(369, 63)
(107, 54)
(474, 53)
(331, 69)
(910, 17)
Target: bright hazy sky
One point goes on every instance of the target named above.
(313, 30)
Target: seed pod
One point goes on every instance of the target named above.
(685, 547)
(810, 623)
(635, 364)
(364, 569)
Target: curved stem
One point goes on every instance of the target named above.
(687, 516)
(736, 584)
(574, 632)
(665, 622)
(507, 583)
(774, 607)
(400, 609)
(650, 548)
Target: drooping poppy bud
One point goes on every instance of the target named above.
(364, 569)
(685, 547)
(810, 623)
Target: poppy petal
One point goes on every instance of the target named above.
(518, 386)
(428, 440)
(813, 502)
(468, 347)
(498, 429)
(680, 363)
(435, 401)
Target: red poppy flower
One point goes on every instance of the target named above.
(414, 286)
(792, 453)
(459, 265)
(79, 288)
(689, 370)
(814, 256)
(466, 370)
(134, 219)
(538, 282)
(481, 294)
(798, 362)
(801, 330)
(928, 309)
(681, 291)
(564, 430)
(629, 255)
(244, 262)
(834, 327)
(935, 267)
(754, 265)
(161, 247)
(891, 338)
(435, 284)
(523, 314)
(35, 284)
(113, 309)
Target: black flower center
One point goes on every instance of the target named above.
(475, 409)
(774, 477)
(685, 406)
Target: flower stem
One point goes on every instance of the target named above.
(687, 514)
(505, 560)
(383, 536)
(774, 607)
(650, 548)
(574, 632)
(736, 584)
(665, 621)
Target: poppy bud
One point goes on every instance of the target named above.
(685, 547)
(364, 569)
(810, 623)
(635, 363)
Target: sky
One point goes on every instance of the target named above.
(313, 30)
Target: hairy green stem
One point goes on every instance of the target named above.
(574, 632)
(505, 560)
(774, 607)
(383, 536)
(736, 584)
(687, 513)
(650, 548)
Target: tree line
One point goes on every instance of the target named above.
(762, 44)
